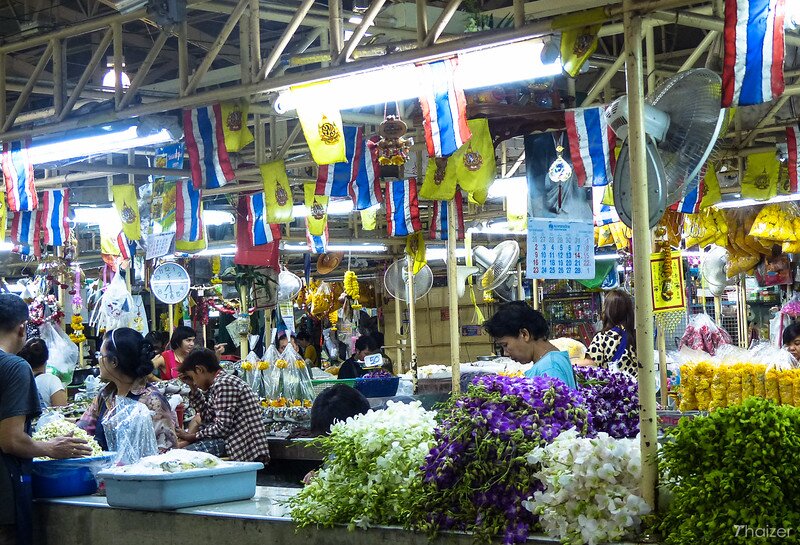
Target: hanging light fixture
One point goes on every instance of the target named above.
(110, 78)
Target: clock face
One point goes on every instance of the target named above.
(170, 283)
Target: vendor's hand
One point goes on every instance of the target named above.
(68, 447)
(186, 436)
(183, 444)
(220, 348)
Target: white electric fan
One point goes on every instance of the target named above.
(396, 280)
(713, 269)
(683, 119)
(289, 285)
(494, 269)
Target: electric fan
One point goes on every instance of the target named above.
(507, 291)
(683, 119)
(396, 280)
(497, 264)
(289, 285)
(713, 269)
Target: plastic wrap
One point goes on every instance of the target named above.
(63, 352)
(129, 430)
(295, 377)
(253, 368)
(116, 308)
(174, 461)
(576, 349)
(703, 334)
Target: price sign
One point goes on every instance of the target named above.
(559, 249)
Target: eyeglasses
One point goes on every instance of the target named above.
(99, 356)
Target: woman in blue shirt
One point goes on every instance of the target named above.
(522, 333)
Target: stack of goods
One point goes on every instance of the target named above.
(707, 227)
(282, 417)
(174, 461)
(58, 427)
(778, 224)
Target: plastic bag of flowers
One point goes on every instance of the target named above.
(477, 476)
(371, 470)
(612, 399)
(592, 492)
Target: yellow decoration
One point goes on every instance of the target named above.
(333, 317)
(77, 335)
(300, 364)
(247, 366)
(322, 125)
(281, 363)
(263, 365)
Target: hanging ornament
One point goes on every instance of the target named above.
(392, 147)
(441, 170)
(560, 171)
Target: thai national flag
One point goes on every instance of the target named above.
(752, 70)
(25, 232)
(793, 141)
(127, 249)
(690, 204)
(318, 244)
(444, 108)
(365, 190)
(55, 210)
(260, 231)
(402, 207)
(205, 143)
(591, 145)
(439, 226)
(603, 213)
(188, 212)
(335, 179)
(18, 175)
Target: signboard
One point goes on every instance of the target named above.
(669, 293)
(559, 249)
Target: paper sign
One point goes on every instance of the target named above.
(559, 249)
(373, 360)
(159, 245)
(669, 293)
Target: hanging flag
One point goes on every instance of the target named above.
(690, 203)
(711, 191)
(760, 180)
(18, 176)
(604, 214)
(128, 208)
(188, 212)
(25, 232)
(322, 126)
(444, 108)
(415, 249)
(365, 190)
(591, 145)
(260, 231)
(334, 180)
(752, 67)
(127, 249)
(55, 212)
(317, 244)
(402, 207)
(277, 192)
(234, 126)
(265, 255)
(205, 143)
(578, 43)
(316, 209)
(369, 219)
(793, 141)
(439, 227)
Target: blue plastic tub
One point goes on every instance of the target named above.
(232, 482)
(70, 477)
(378, 387)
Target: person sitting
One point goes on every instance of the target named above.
(522, 333)
(334, 404)
(181, 343)
(230, 421)
(365, 346)
(158, 340)
(51, 391)
(307, 349)
(126, 361)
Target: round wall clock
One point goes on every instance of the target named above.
(170, 283)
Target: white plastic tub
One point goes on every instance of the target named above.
(232, 482)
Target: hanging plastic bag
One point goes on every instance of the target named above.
(252, 373)
(116, 308)
(272, 374)
(703, 334)
(129, 431)
(63, 352)
(297, 379)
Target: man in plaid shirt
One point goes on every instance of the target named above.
(229, 411)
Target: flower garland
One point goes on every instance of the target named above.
(352, 289)
(77, 336)
(44, 309)
(216, 262)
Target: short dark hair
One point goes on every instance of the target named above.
(180, 334)
(513, 317)
(35, 352)
(134, 355)
(336, 404)
(791, 332)
(366, 342)
(303, 336)
(13, 312)
(200, 357)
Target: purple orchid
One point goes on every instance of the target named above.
(612, 399)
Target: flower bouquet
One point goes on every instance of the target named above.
(476, 477)
(612, 399)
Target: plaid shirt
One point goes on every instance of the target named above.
(230, 410)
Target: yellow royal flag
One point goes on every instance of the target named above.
(277, 192)
(322, 125)
(3, 216)
(415, 249)
(517, 214)
(578, 42)
(478, 197)
(128, 209)
(440, 181)
(369, 219)
(317, 209)
(192, 247)
(234, 125)
(711, 192)
(761, 177)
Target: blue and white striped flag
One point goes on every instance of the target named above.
(334, 180)
(591, 145)
(261, 232)
(188, 212)
(55, 211)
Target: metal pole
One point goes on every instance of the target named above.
(284, 40)
(360, 30)
(171, 320)
(441, 22)
(650, 57)
(59, 75)
(335, 20)
(94, 62)
(519, 13)
(244, 348)
(26, 92)
(144, 69)
(602, 81)
(699, 50)
(452, 282)
(245, 64)
(412, 322)
(117, 52)
(643, 283)
(661, 338)
(2, 89)
(718, 310)
(255, 39)
(520, 287)
(398, 331)
(183, 58)
(535, 293)
(422, 21)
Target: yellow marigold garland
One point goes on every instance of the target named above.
(77, 335)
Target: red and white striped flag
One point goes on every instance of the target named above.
(188, 212)
(402, 207)
(55, 212)
(261, 232)
(18, 176)
(25, 232)
(444, 108)
(591, 145)
(439, 226)
(205, 144)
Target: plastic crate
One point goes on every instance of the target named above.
(232, 482)
(320, 384)
(69, 477)
(378, 387)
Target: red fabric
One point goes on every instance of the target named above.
(170, 365)
(265, 255)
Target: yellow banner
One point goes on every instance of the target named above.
(711, 192)
(668, 288)
(369, 219)
(317, 209)
(578, 44)
(191, 247)
(322, 126)
(234, 125)
(415, 249)
(128, 209)
(761, 176)
(277, 192)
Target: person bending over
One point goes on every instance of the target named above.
(51, 391)
(365, 346)
(523, 335)
(230, 421)
(336, 404)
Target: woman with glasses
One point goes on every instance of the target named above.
(125, 360)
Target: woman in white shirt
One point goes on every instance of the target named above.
(51, 391)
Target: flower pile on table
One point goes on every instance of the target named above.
(612, 399)
(371, 471)
(476, 477)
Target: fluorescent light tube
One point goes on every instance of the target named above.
(606, 257)
(356, 248)
(752, 202)
(440, 254)
(516, 187)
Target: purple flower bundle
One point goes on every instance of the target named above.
(476, 477)
(380, 373)
(612, 399)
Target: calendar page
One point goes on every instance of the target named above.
(559, 249)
